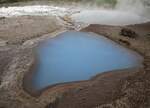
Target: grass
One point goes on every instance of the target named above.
(101, 2)
(9, 1)
(98, 2)
(12, 1)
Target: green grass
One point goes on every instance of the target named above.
(101, 2)
(98, 2)
(10, 1)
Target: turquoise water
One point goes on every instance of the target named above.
(75, 56)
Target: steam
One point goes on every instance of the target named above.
(126, 12)
(140, 7)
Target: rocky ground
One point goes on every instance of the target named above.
(18, 36)
(120, 89)
(17, 30)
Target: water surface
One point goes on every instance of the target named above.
(75, 56)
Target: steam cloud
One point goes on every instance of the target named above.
(140, 7)
(126, 12)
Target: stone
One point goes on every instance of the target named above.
(125, 42)
(128, 33)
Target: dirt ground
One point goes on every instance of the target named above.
(16, 30)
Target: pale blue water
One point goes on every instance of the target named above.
(75, 56)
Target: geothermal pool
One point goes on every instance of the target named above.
(76, 56)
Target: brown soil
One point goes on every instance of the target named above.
(17, 30)
(99, 91)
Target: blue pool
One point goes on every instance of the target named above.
(76, 56)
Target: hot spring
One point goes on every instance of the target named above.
(76, 56)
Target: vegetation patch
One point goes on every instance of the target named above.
(110, 2)
(98, 2)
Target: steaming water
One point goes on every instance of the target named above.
(126, 12)
(75, 56)
(108, 17)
